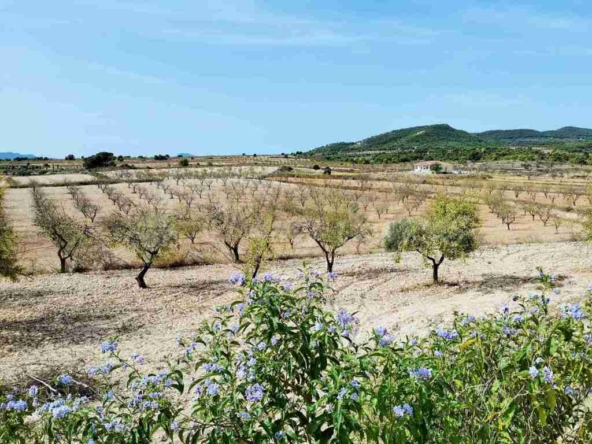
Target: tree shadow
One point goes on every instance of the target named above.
(496, 282)
(67, 328)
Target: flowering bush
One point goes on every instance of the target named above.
(275, 366)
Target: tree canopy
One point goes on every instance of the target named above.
(446, 232)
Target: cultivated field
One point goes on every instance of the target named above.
(381, 196)
(51, 322)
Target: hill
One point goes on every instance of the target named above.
(443, 142)
(565, 134)
(414, 138)
(438, 142)
(9, 156)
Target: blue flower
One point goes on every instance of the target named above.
(354, 396)
(136, 357)
(449, 335)
(548, 375)
(438, 354)
(386, 340)
(33, 391)
(533, 372)
(341, 393)
(332, 275)
(61, 412)
(237, 278)
(17, 406)
(568, 390)
(280, 435)
(401, 411)
(574, 311)
(421, 373)
(254, 393)
(261, 346)
(108, 346)
(213, 389)
(508, 331)
(65, 379)
(244, 416)
(355, 384)
(380, 330)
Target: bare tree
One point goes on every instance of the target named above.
(507, 213)
(545, 213)
(331, 229)
(67, 234)
(232, 224)
(146, 231)
(557, 222)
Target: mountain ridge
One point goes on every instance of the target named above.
(9, 155)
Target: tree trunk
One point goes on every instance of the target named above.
(435, 272)
(330, 257)
(435, 268)
(235, 253)
(508, 227)
(63, 264)
(140, 277)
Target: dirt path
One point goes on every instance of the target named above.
(55, 322)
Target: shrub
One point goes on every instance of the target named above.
(275, 366)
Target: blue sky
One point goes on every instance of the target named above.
(223, 77)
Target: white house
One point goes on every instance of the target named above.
(429, 167)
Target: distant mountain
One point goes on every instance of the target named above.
(567, 133)
(441, 136)
(9, 156)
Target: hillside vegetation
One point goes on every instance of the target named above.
(443, 142)
(567, 133)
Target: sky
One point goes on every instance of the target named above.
(212, 77)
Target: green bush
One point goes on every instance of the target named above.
(277, 367)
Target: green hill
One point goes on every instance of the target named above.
(442, 142)
(565, 134)
(431, 137)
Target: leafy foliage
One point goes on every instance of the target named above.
(447, 232)
(276, 366)
(99, 160)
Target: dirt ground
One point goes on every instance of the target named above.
(53, 323)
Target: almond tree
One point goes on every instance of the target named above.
(507, 214)
(232, 224)
(54, 223)
(446, 232)
(331, 228)
(147, 231)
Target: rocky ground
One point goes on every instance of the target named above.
(53, 323)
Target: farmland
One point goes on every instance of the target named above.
(45, 312)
